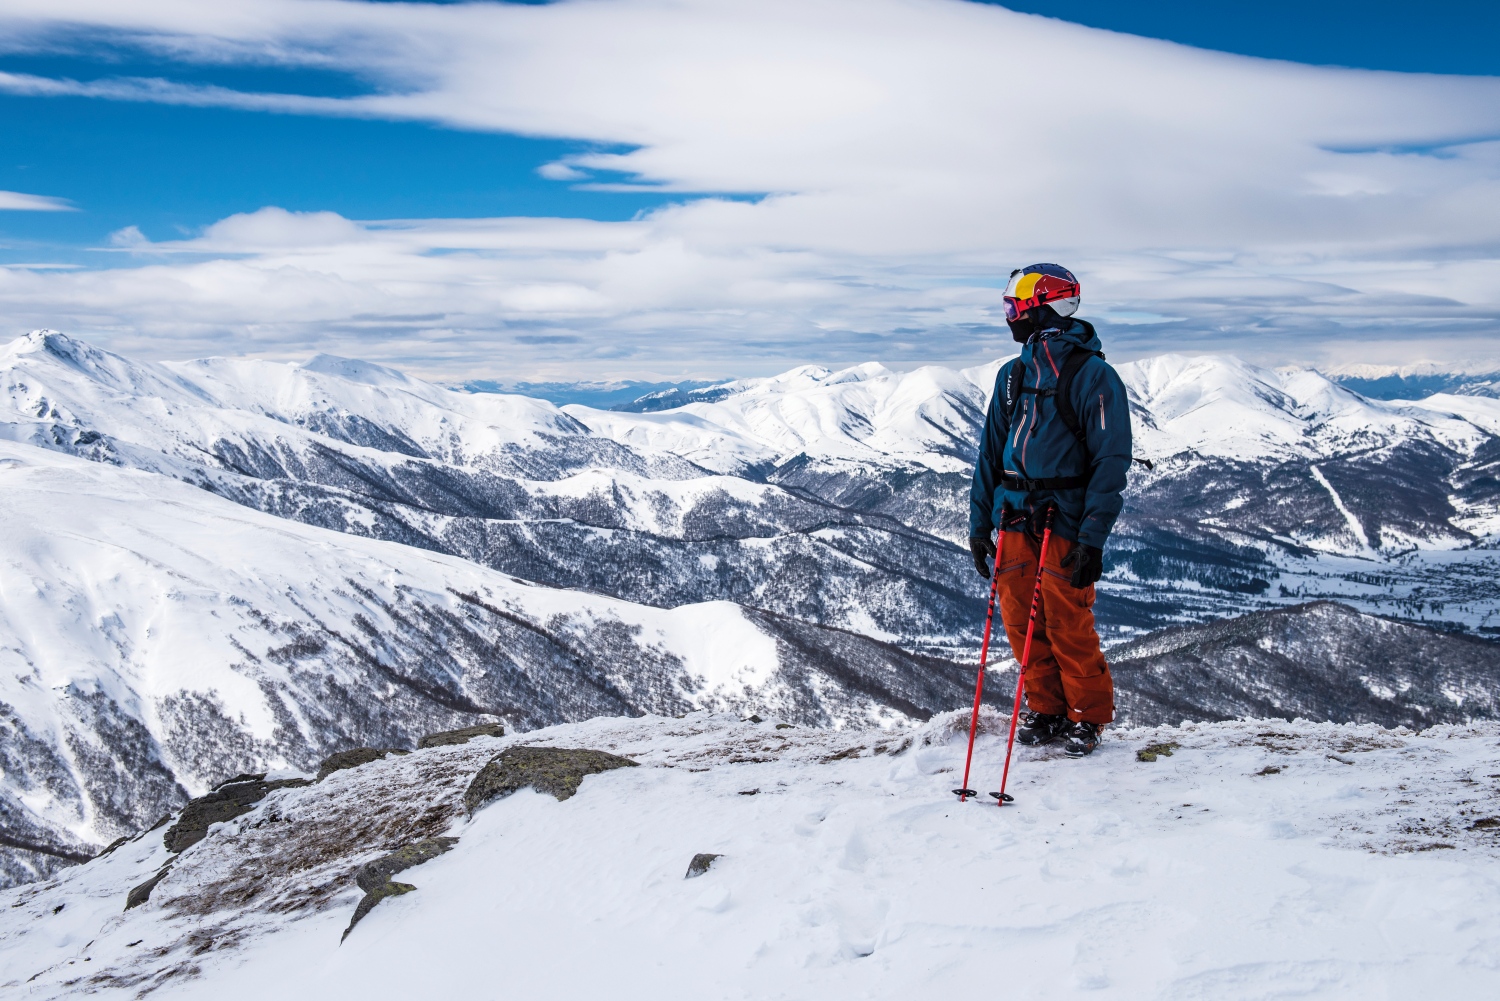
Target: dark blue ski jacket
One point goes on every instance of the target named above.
(1040, 446)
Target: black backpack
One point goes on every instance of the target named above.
(1062, 397)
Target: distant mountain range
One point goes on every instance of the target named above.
(624, 394)
(1400, 385)
(227, 565)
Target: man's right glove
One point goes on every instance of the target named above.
(984, 553)
(1087, 563)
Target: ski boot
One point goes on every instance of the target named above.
(1082, 739)
(1041, 728)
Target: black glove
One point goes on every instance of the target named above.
(1087, 563)
(984, 552)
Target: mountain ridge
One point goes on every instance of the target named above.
(340, 553)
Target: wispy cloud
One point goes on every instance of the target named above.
(16, 201)
(908, 152)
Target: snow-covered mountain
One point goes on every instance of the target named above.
(1320, 661)
(229, 566)
(1255, 859)
(158, 639)
(507, 482)
(1269, 485)
(834, 497)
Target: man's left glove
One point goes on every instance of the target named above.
(1087, 563)
(984, 552)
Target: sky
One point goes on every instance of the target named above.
(707, 188)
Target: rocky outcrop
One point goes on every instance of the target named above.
(229, 800)
(375, 877)
(140, 894)
(450, 737)
(553, 770)
(700, 864)
(352, 758)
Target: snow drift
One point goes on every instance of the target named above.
(1239, 860)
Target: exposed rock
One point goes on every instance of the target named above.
(352, 758)
(242, 777)
(463, 736)
(375, 877)
(1153, 751)
(700, 864)
(224, 803)
(554, 770)
(117, 842)
(140, 894)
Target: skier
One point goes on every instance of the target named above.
(1057, 434)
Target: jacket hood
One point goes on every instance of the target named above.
(1075, 332)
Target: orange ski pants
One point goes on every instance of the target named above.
(1068, 675)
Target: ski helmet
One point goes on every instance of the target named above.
(1032, 286)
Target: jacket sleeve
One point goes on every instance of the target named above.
(1104, 410)
(991, 455)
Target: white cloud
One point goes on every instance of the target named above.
(560, 171)
(910, 152)
(15, 201)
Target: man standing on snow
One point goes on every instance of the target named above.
(1058, 435)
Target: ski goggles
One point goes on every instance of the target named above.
(1015, 307)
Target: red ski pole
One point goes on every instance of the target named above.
(984, 652)
(1002, 797)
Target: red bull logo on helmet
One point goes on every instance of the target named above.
(1032, 286)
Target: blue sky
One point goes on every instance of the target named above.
(172, 170)
(397, 137)
(1460, 37)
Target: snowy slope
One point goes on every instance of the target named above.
(155, 639)
(840, 496)
(168, 637)
(1258, 860)
(182, 409)
(507, 482)
(1269, 485)
(1214, 406)
(860, 414)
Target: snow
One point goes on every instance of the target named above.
(1260, 859)
(722, 651)
(175, 413)
(695, 438)
(143, 589)
(1218, 405)
(856, 414)
(1355, 528)
(652, 505)
(1208, 405)
(1481, 411)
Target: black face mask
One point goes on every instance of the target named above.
(1043, 317)
(1023, 326)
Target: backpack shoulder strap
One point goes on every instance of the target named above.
(1076, 359)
